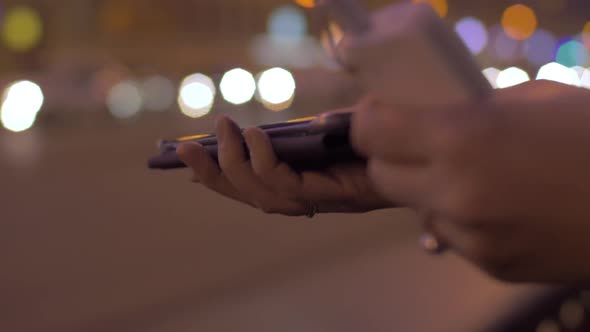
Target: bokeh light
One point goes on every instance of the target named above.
(306, 3)
(505, 48)
(287, 23)
(158, 93)
(585, 80)
(125, 99)
(492, 75)
(572, 53)
(519, 22)
(238, 86)
(197, 95)
(511, 76)
(572, 314)
(276, 86)
(558, 73)
(22, 28)
(586, 35)
(117, 16)
(579, 70)
(539, 49)
(21, 102)
(473, 33)
(440, 6)
(548, 325)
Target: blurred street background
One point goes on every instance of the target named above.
(90, 240)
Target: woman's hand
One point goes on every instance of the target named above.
(272, 186)
(505, 183)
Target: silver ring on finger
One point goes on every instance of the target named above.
(431, 244)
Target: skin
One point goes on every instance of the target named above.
(267, 184)
(503, 183)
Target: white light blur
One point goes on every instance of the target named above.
(21, 103)
(238, 86)
(125, 100)
(585, 81)
(197, 94)
(579, 70)
(158, 93)
(512, 76)
(276, 86)
(492, 75)
(559, 73)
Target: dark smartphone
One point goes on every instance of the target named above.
(304, 144)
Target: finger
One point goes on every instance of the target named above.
(408, 185)
(276, 175)
(206, 171)
(389, 133)
(238, 170)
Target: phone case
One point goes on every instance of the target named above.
(303, 144)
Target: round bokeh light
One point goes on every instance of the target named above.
(238, 86)
(197, 95)
(473, 33)
(276, 86)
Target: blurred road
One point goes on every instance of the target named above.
(90, 240)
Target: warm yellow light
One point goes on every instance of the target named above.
(440, 6)
(306, 3)
(306, 119)
(193, 138)
(116, 16)
(22, 29)
(519, 22)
